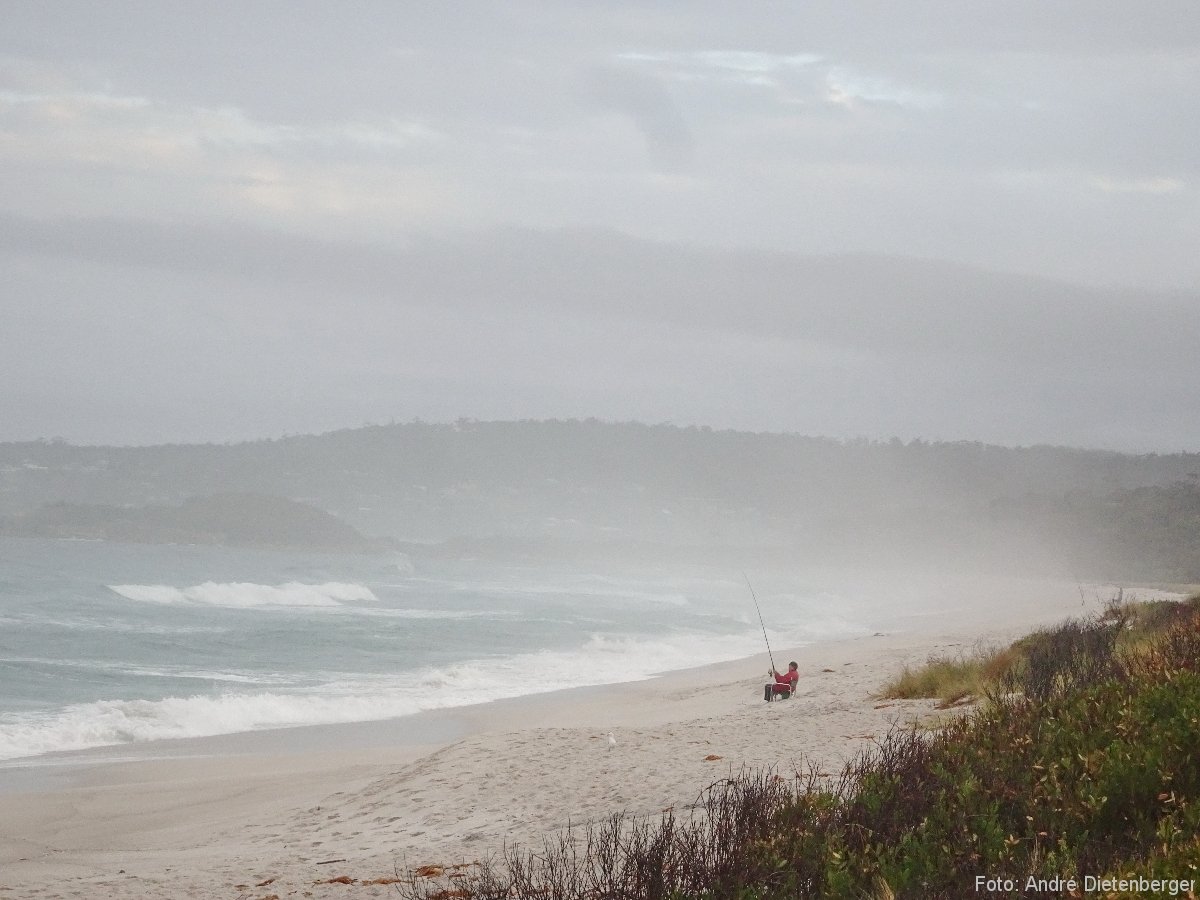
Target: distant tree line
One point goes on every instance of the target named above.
(1145, 533)
(237, 520)
(581, 482)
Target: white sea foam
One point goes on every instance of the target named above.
(328, 597)
(109, 722)
(571, 590)
(448, 614)
(149, 671)
(235, 677)
(600, 660)
(116, 625)
(246, 595)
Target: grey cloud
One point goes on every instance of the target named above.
(893, 309)
(885, 304)
(303, 216)
(647, 103)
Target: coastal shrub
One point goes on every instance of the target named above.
(1057, 660)
(1086, 763)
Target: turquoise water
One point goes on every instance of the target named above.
(109, 644)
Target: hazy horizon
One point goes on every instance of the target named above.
(859, 220)
(463, 421)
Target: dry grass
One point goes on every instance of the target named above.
(952, 680)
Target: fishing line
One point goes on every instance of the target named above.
(760, 621)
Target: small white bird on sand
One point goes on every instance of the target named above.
(612, 741)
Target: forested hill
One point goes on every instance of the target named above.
(594, 481)
(232, 520)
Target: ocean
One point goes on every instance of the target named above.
(109, 644)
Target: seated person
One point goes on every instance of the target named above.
(784, 684)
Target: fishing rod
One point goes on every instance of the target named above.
(760, 621)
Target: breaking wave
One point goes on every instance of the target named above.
(599, 660)
(246, 595)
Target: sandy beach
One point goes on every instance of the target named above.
(283, 813)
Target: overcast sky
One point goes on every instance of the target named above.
(947, 220)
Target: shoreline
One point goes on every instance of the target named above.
(214, 817)
(441, 724)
